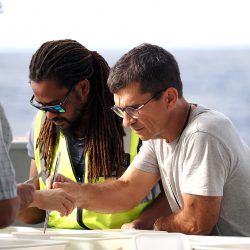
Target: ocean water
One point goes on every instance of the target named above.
(216, 78)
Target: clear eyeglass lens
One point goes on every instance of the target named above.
(118, 111)
(129, 110)
(132, 112)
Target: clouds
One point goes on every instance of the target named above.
(124, 24)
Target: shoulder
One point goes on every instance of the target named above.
(209, 124)
(209, 121)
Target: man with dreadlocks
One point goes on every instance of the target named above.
(76, 124)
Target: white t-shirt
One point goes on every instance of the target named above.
(210, 159)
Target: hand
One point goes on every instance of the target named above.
(59, 178)
(66, 184)
(131, 225)
(139, 223)
(25, 194)
(72, 188)
(62, 178)
(54, 199)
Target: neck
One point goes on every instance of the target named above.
(179, 120)
(79, 129)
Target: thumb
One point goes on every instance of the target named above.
(48, 182)
(58, 185)
(63, 185)
(62, 178)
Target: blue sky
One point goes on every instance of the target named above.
(124, 24)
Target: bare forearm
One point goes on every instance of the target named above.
(186, 223)
(172, 223)
(113, 196)
(158, 208)
(198, 216)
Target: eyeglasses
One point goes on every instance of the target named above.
(133, 112)
(53, 109)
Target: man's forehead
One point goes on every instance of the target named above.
(47, 91)
(128, 96)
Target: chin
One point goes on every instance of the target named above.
(144, 137)
(62, 126)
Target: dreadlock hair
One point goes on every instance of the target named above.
(67, 62)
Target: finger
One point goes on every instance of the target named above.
(59, 185)
(62, 178)
(59, 178)
(61, 208)
(66, 207)
(125, 226)
(49, 182)
(69, 207)
(128, 226)
(67, 187)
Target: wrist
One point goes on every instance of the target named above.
(38, 199)
(81, 195)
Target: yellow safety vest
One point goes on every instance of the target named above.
(82, 218)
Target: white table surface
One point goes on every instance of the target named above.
(119, 239)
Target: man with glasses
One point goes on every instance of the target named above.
(196, 152)
(76, 134)
(12, 197)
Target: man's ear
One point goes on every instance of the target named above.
(83, 88)
(171, 96)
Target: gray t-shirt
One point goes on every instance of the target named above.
(209, 159)
(7, 173)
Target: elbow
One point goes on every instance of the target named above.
(31, 215)
(199, 228)
(6, 221)
(7, 217)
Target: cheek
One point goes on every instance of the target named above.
(77, 109)
(150, 122)
(73, 106)
(71, 113)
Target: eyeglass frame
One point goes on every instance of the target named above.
(59, 108)
(120, 111)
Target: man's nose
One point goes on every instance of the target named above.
(128, 120)
(50, 115)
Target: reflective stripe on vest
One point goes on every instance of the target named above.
(90, 219)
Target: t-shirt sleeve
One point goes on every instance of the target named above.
(146, 159)
(205, 166)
